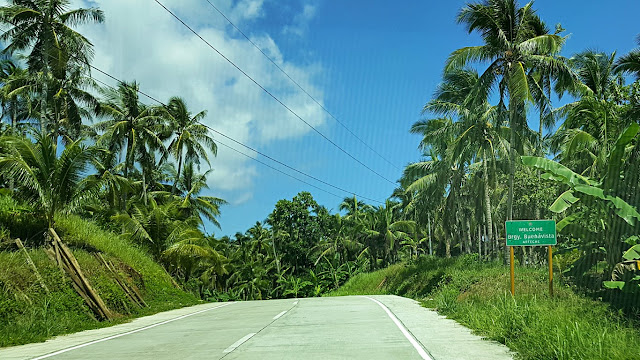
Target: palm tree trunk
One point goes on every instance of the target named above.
(461, 241)
(144, 187)
(447, 244)
(486, 246)
(128, 163)
(43, 107)
(429, 226)
(175, 183)
(487, 199)
(469, 237)
(13, 132)
(497, 240)
(479, 243)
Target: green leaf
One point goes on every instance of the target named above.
(616, 156)
(627, 212)
(518, 84)
(614, 284)
(632, 240)
(591, 191)
(633, 253)
(569, 220)
(556, 170)
(563, 202)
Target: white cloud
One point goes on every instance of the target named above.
(140, 40)
(248, 9)
(243, 198)
(301, 21)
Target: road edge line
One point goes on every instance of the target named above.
(421, 350)
(126, 333)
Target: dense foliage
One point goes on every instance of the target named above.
(499, 145)
(495, 147)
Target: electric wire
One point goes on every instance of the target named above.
(246, 146)
(278, 170)
(273, 96)
(301, 88)
(231, 139)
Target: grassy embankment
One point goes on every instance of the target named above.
(29, 314)
(532, 324)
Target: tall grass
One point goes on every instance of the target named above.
(533, 324)
(29, 314)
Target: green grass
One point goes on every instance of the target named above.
(534, 325)
(29, 314)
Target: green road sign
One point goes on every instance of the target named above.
(531, 232)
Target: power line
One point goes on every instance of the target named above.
(278, 170)
(232, 139)
(291, 168)
(301, 88)
(273, 96)
(240, 143)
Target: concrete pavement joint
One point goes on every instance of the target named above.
(238, 343)
(412, 339)
(126, 333)
(241, 341)
(279, 315)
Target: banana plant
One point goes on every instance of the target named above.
(599, 196)
(627, 273)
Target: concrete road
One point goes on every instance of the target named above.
(350, 327)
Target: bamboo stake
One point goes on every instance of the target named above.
(81, 283)
(121, 282)
(32, 265)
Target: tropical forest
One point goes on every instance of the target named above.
(106, 211)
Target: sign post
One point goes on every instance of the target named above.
(531, 233)
(512, 271)
(550, 271)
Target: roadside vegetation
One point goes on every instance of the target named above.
(103, 189)
(531, 323)
(38, 301)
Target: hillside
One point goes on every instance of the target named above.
(567, 326)
(31, 313)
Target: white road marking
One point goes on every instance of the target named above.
(295, 302)
(127, 333)
(279, 315)
(404, 330)
(238, 343)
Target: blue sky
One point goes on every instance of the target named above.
(373, 64)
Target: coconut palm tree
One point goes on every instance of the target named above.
(14, 107)
(52, 183)
(69, 101)
(43, 28)
(354, 207)
(190, 137)
(388, 231)
(191, 202)
(515, 40)
(132, 126)
(594, 120)
(259, 244)
(438, 178)
(55, 182)
(475, 134)
(630, 63)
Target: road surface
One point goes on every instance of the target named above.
(350, 327)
